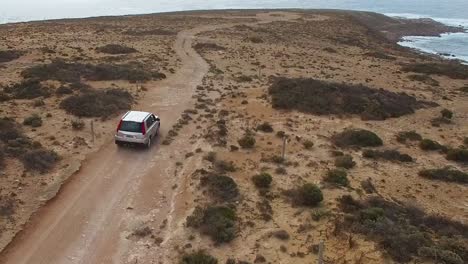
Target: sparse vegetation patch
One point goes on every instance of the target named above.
(115, 49)
(390, 155)
(459, 155)
(325, 98)
(357, 138)
(218, 222)
(199, 257)
(445, 174)
(307, 195)
(221, 187)
(97, 103)
(406, 136)
(454, 70)
(9, 55)
(27, 89)
(405, 232)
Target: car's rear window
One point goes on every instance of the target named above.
(130, 126)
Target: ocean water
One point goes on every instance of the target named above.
(452, 12)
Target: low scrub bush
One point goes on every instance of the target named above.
(27, 89)
(424, 79)
(9, 55)
(404, 232)
(218, 222)
(445, 113)
(115, 49)
(262, 180)
(247, 141)
(34, 120)
(208, 46)
(72, 72)
(40, 160)
(431, 145)
(445, 174)
(337, 177)
(454, 70)
(406, 136)
(307, 195)
(265, 127)
(221, 187)
(77, 124)
(9, 130)
(223, 166)
(308, 144)
(459, 155)
(154, 32)
(345, 161)
(357, 138)
(380, 55)
(390, 155)
(325, 98)
(7, 206)
(199, 257)
(97, 103)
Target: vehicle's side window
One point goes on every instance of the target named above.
(149, 122)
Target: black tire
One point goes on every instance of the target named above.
(148, 145)
(118, 143)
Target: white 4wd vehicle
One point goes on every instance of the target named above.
(137, 127)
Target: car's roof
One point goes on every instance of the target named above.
(135, 116)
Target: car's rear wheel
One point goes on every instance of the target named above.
(118, 143)
(148, 145)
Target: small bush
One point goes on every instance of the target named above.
(281, 234)
(211, 156)
(199, 257)
(100, 103)
(431, 145)
(77, 124)
(115, 49)
(265, 127)
(345, 161)
(281, 134)
(247, 141)
(337, 177)
(404, 136)
(424, 78)
(308, 195)
(9, 130)
(218, 222)
(40, 160)
(222, 187)
(445, 113)
(208, 46)
(445, 174)
(27, 89)
(34, 120)
(9, 55)
(262, 180)
(7, 206)
(308, 144)
(357, 138)
(460, 155)
(63, 90)
(224, 166)
(390, 155)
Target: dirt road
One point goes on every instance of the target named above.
(117, 191)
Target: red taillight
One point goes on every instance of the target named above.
(143, 128)
(120, 124)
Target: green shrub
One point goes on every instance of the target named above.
(211, 156)
(222, 187)
(7, 206)
(115, 49)
(390, 155)
(63, 90)
(308, 195)
(218, 222)
(438, 121)
(403, 232)
(247, 141)
(424, 78)
(325, 98)
(337, 177)
(77, 124)
(280, 134)
(404, 136)
(446, 256)
(308, 144)
(208, 46)
(262, 180)
(445, 113)
(40, 160)
(34, 120)
(97, 103)
(345, 161)
(431, 145)
(445, 174)
(265, 127)
(199, 257)
(357, 138)
(460, 155)
(27, 89)
(224, 166)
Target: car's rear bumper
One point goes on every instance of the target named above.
(125, 139)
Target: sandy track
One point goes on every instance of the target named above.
(117, 190)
